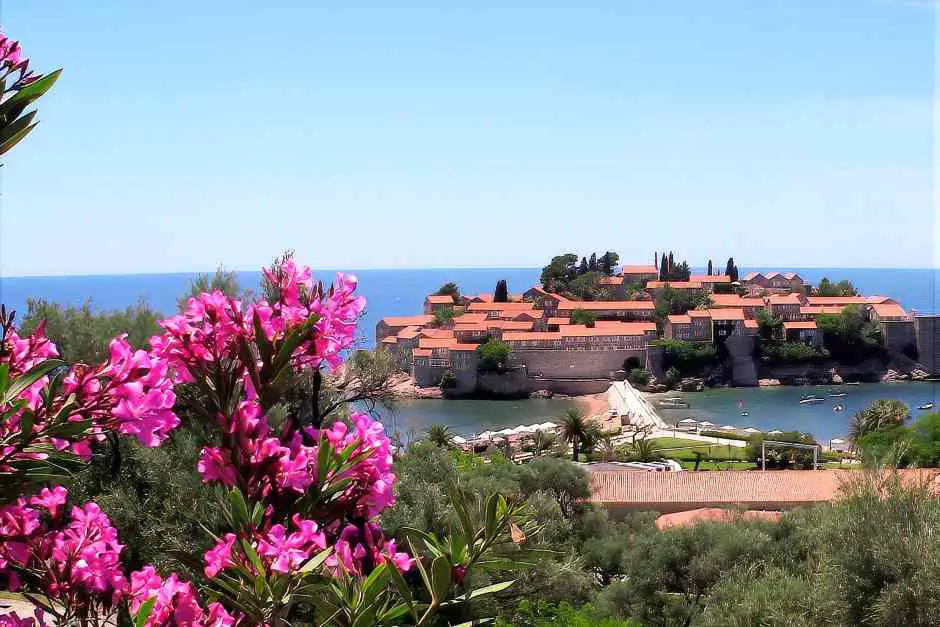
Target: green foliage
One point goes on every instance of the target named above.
(582, 281)
(688, 358)
(631, 362)
(791, 353)
(638, 376)
(880, 414)
(443, 317)
(731, 270)
(769, 326)
(782, 456)
(493, 356)
(575, 431)
(440, 435)
(83, 334)
(449, 289)
(583, 316)
(672, 301)
(15, 122)
(669, 270)
(828, 288)
(222, 281)
(673, 374)
(850, 336)
(564, 482)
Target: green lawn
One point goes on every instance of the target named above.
(687, 465)
(684, 450)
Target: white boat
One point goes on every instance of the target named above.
(811, 400)
(925, 406)
(837, 395)
(674, 402)
(854, 383)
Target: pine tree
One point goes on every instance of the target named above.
(583, 268)
(501, 293)
(729, 266)
(709, 268)
(662, 267)
(592, 264)
(656, 260)
(672, 263)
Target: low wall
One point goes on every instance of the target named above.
(559, 364)
(512, 384)
(868, 370)
(741, 359)
(570, 387)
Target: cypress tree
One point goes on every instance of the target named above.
(672, 263)
(709, 268)
(662, 268)
(729, 266)
(583, 268)
(592, 264)
(501, 293)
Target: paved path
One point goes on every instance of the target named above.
(627, 402)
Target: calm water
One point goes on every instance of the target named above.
(467, 417)
(401, 292)
(779, 408)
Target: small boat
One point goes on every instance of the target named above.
(811, 400)
(837, 395)
(744, 413)
(674, 402)
(838, 407)
(854, 383)
(925, 406)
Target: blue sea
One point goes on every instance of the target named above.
(401, 292)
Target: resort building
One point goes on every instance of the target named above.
(709, 281)
(727, 322)
(693, 326)
(692, 288)
(437, 302)
(896, 326)
(803, 331)
(391, 325)
(625, 310)
(758, 283)
(750, 304)
(786, 307)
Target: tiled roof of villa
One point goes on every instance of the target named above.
(698, 313)
(728, 487)
(848, 300)
(440, 299)
(799, 324)
(421, 352)
(710, 278)
(391, 339)
(679, 319)
(784, 299)
(408, 333)
(750, 276)
(751, 324)
(726, 300)
(639, 270)
(889, 310)
(475, 307)
(676, 285)
(622, 328)
(435, 342)
(607, 305)
(509, 325)
(727, 314)
(437, 333)
(469, 318)
(464, 347)
(559, 320)
(407, 321)
(476, 326)
(531, 335)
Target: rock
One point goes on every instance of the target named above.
(656, 388)
(836, 378)
(768, 383)
(541, 394)
(894, 375)
(620, 375)
(919, 375)
(691, 384)
(434, 392)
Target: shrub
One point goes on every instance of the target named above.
(494, 356)
(639, 376)
(583, 316)
(687, 357)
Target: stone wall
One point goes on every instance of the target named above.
(927, 334)
(898, 336)
(741, 359)
(512, 384)
(556, 364)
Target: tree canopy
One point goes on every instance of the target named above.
(829, 288)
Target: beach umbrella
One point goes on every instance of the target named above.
(707, 424)
(751, 430)
(506, 431)
(486, 435)
(547, 426)
(774, 432)
(458, 440)
(728, 428)
(686, 421)
(837, 441)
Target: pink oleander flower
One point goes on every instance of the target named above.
(215, 465)
(359, 546)
(51, 500)
(288, 552)
(176, 602)
(219, 557)
(89, 547)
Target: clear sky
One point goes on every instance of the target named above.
(183, 135)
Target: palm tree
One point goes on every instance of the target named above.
(644, 450)
(879, 414)
(542, 441)
(606, 448)
(575, 430)
(440, 435)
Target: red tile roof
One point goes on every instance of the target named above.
(750, 276)
(639, 270)
(421, 352)
(751, 324)
(676, 285)
(559, 320)
(710, 278)
(679, 319)
(725, 300)
(712, 514)
(509, 325)
(815, 310)
(437, 333)
(727, 487)
(476, 326)
(727, 314)
(699, 313)
(531, 335)
(608, 305)
(409, 332)
(391, 339)
(438, 299)
(889, 310)
(407, 321)
(464, 347)
(469, 318)
(434, 342)
(848, 300)
(784, 299)
(515, 307)
(622, 328)
(799, 324)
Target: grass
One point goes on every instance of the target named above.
(685, 450)
(687, 465)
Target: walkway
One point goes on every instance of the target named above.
(627, 402)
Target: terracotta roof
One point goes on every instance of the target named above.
(789, 276)
(889, 310)
(421, 352)
(408, 333)
(698, 313)
(679, 319)
(464, 347)
(483, 298)
(541, 290)
(712, 514)
(727, 314)
(509, 325)
(623, 328)
(437, 333)
(607, 305)
(531, 335)
(407, 321)
(727, 487)
(435, 342)
(750, 276)
(440, 299)
(784, 299)
(639, 270)
(821, 309)
(531, 315)
(710, 278)
(752, 301)
(391, 339)
(848, 300)
(800, 324)
(477, 326)
(677, 285)
(751, 324)
(726, 300)
(469, 318)
(559, 320)
(500, 306)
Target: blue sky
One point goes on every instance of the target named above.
(183, 135)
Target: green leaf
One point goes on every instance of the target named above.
(490, 589)
(4, 378)
(477, 621)
(34, 90)
(404, 590)
(239, 508)
(253, 556)
(441, 578)
(11, 129)
(37, 372)
(316, 561)
(16, 138)
(144, 612)
(490, 517)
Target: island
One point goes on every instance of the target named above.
(658, 326)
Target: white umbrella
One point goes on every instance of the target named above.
(707, 424)
(506, 432)
(774, 432)
(837, 441)
(728, 428)
(547, 426)
(751, 430)
(486, 435)
(690, 421)
(459, 440)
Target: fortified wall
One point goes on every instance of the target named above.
(927, 336)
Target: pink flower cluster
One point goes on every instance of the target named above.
(177, 602)
(280, 551)
(131, 393)
(10, 52)
(361, 546)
